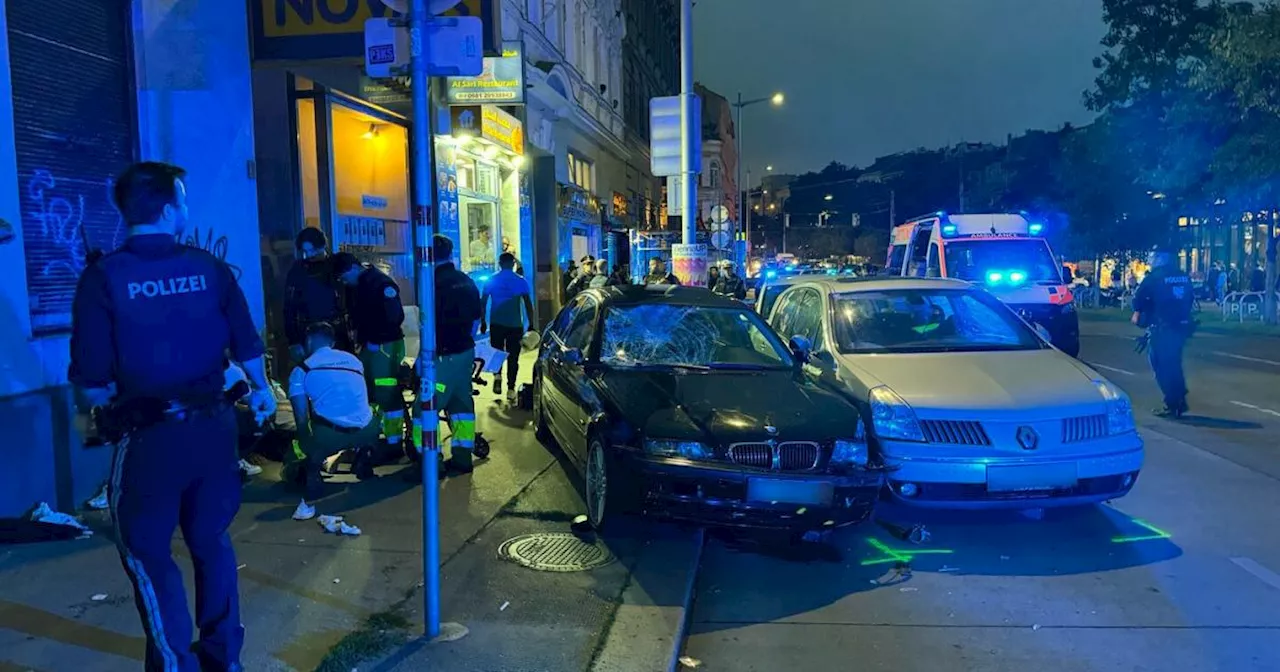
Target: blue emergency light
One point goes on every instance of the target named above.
(1011, 277)
(770, 274)
(1035, 229)
(949, 230)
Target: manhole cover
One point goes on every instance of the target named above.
(555, 552)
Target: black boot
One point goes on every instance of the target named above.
(362, 467)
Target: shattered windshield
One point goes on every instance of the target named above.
(902, 321)
(689, 336)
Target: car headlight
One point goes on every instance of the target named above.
(689, 450)
(1119, 408)
(851, 451)
(892, 418)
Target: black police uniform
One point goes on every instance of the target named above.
(662, 278)
(731, 286)
(311, 295)
(157, 319)
(1164, 301)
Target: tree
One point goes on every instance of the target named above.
(1242, 73)
(871, 244)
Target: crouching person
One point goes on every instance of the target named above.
(331, 406)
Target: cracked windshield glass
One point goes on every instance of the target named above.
(639, 335)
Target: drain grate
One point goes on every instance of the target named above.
(555, 552)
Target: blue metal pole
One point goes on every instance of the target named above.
(426, 425)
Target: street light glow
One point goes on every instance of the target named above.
(770, 167)
(778, 98)
(828, 197)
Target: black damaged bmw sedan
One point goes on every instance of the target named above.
(678, 403)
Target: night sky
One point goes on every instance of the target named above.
(910, 73)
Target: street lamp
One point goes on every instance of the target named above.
(777, 100)
(828, 197)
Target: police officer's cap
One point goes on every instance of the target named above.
(313, 236)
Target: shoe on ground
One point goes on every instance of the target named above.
(497, 385)
(249, 468)
(99, 501)
(1166, 412)
(511, 395)
(304, 511)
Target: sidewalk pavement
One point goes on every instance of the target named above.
(307, 595)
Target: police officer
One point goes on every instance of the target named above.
(728, 283)
(153, 321)
(1162, 305)
(458, 310)
(377, 316)
(658, 273)
(311, 296)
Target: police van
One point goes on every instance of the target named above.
(1004, 252)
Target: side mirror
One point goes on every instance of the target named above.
(801, 348)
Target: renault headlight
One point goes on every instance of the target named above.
(892, 418)
(1119, 408)
(689, 450)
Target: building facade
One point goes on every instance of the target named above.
(650, 69)
(81, 98)
(583, 168)
(718, 183)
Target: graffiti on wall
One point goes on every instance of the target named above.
(214, 244)
(60, 218)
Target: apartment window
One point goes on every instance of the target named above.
(715, 175)
(581, 172)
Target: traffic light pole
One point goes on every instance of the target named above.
(690, 138)
(426, 424)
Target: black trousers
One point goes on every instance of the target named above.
(507, 339)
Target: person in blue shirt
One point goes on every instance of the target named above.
(152, 323)
(507, 302)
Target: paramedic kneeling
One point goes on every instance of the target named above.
(331, 404)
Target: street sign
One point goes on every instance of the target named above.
(454, 47)
(386, 47)
(719, 214)
(665, 137)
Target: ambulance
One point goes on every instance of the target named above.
(1003, 252)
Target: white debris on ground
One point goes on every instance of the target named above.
(336, 525)
(43, 514)
(690, 662)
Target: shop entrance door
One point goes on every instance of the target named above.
(353, 169)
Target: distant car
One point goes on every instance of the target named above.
(768, 291)
(679, 403)
(967, 406)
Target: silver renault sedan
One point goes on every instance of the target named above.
(968, 405)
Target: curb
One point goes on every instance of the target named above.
(686, 606)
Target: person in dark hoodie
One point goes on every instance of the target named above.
(312, 295)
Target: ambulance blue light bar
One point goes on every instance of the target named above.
(1035, 229)
(1006, 277)
(948, 230)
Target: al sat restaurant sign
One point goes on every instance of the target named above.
(490, 123)
(501, 83)
(300, 30)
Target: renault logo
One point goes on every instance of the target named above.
(1027, 438)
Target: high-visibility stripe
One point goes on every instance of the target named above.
(463, 426)
(386, 382)
(297, 451)
(151, 618)
(393, 426)
(440, 387)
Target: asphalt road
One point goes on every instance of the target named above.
(1180, 575)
